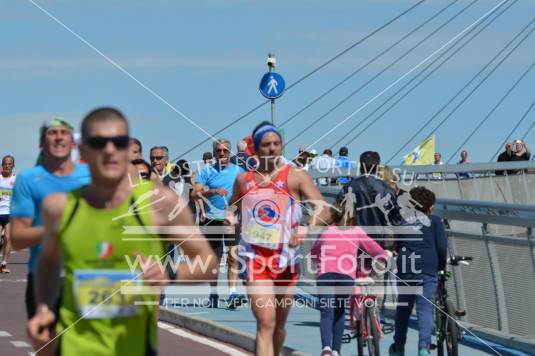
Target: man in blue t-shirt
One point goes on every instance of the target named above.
(343, 162)
(56, 173)
(214, 186)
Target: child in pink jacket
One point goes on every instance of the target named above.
(335, 254)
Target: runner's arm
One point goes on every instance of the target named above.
(40, 326)
(23, 213)
(201, 261)
(233, 207)
(47, 275)
(23, 234)
(236, 191)
(200, 189)
(193, 193)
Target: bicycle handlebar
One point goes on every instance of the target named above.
(456, 260)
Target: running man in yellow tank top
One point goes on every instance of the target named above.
(84, 234)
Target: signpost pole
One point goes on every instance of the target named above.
(271, 64)
(273, 112)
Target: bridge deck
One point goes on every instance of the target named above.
(302, 328)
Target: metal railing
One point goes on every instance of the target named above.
(477, 181)
(496, 286)
(454, 169)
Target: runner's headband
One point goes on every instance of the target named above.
(261, 132)
(55, 122)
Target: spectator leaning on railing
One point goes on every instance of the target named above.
(521, 152)
(505, 156)
(463, 160)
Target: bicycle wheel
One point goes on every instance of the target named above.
(356, 324)
(440, 327)
(372, 325)
(452, 331)
(359, 337)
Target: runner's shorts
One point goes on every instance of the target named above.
(4, 220)
(262, 268)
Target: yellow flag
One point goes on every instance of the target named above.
(423, 153)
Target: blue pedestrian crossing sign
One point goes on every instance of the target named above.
(272, 85)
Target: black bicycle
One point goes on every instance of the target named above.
(446, 316)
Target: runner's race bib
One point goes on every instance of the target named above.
(98, 293)
(6, 193)
(264, 235)
(265, 216)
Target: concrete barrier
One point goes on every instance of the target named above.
(216, 331)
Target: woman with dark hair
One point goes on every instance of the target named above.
(135, 149)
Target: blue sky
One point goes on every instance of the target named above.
(206, 58)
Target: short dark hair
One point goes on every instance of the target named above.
(343, 151)
(136, 142)
(102, 115)
(8, 156)
(207, 155)
(424, 197)
(328, 152)
(369, 160)
(181, 168)
(137, 161)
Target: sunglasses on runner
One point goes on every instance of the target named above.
(157, 158)
(99, 142)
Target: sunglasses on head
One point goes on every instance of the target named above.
(99, 142)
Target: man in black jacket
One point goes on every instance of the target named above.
(375, 200)
(506, 156)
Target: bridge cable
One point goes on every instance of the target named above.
(308, 126)
(466, 85)
(483, 80)
(514, 129)
(490, 112)
(332, 59)
(358, 70)
(528, 131)
(490, 21)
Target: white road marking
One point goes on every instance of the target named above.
(14, 280)
(4, 334)
(164, 325)
(20, 344)
(202, 340)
